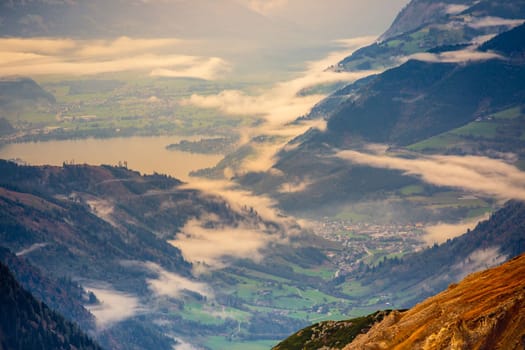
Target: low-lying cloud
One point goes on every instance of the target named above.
(216, 246)
(440, 233)
(459, 56)
(157, 57)
(209, 242)
(480, 175)
(114, 306)
(478, 260)
(454, 9)
(283, 103)
(173, 285)
(483, 22)
(31, 249)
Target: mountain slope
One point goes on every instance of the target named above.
(330, 334)
(26, 323)
(401, 107)
(64, 296)
(484, 311)
(111, 229)
(420, 99)
(429, 25)
(418, 275)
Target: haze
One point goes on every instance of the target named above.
(250, 35)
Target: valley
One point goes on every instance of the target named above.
(181, 193)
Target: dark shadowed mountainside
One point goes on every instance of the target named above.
(63, 295)
(26, 323)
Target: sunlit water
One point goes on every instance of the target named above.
(144, 154)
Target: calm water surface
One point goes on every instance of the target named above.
(145, 154)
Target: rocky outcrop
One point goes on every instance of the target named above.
(484, 311)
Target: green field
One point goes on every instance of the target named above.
(124, 105)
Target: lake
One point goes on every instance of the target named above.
(144, 154)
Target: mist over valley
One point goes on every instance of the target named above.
(220, 174)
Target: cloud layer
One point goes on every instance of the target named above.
(114, 306)
(157, 57)
(454, 56)
(173, 285)
(209, 242)
(480, 259)
(482, 175)
(213, 246)
(483, 22)
(440, 233)
(283, 103)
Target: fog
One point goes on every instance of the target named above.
(173, 285)
(480, 175)
(480, 259)
(454, 56)
(441, 232)
(31, 249)
(282, 104)
(114, 306)
(156, 57)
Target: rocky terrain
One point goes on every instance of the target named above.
(484, 311)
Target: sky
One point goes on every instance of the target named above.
(327, 19)
(249, 34)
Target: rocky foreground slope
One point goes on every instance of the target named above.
(484, 311)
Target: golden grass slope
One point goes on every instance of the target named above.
(484, 311)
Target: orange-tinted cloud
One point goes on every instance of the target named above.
(158, 57)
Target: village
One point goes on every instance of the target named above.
(367, 243)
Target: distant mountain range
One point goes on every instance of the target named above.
(107, 19)
(484, 311)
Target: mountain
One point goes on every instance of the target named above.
(407, 280)
(430, 25)
(422, 98)
(63, 210)
(64, 296)
(111, 229)
(22, 88)
(483, 311)
(5, 127)
(19, 96)
(26, 323)
(459, 102)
